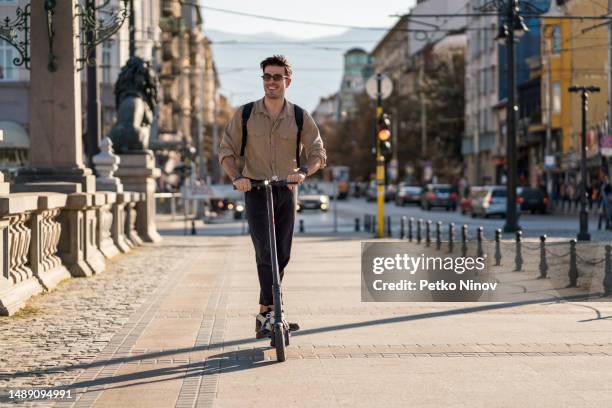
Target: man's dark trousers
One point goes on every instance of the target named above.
(284, 218)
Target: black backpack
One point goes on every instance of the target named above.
(299, 121)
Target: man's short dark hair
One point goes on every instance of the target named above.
(279, 61)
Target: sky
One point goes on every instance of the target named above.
(348, 12)
(309, 85)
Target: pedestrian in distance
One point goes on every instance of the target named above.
(271, 134)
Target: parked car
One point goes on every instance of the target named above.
(390, 192)
(223, 197)
(533, 200)
(438, 195)
(312, 199)
(465, 204)
(491, 200)
(372, 193)
(239, 209)
(408, 195)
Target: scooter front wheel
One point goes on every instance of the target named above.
(279, 342)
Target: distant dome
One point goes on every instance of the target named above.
(356, 50)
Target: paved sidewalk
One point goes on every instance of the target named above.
(190, 342)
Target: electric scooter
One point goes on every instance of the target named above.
(279, 338)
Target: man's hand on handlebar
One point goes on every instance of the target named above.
(297, 178)
(242, 184)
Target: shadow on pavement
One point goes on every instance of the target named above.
(347, 326)
(221, 363)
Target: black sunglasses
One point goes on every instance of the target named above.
(275, 77)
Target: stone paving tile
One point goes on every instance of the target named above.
(60, 330)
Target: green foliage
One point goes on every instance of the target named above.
(350, 142)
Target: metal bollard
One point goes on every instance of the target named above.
(410, 227)
(357, 226)
(438, 235)
(607, 282)
(518, 256)
(543, 261)
(498, 255)
(302, 226)
(479, 239)
(193, 228)
(403, 222)
(573, 267)
(419, 224)
(451, 237)
(428, 233)
(464, 238)
(389, 231)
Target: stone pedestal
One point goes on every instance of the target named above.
(77, 243)
(137, 173)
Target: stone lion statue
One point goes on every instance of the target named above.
(135, 101)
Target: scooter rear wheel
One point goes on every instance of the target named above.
(279, 342)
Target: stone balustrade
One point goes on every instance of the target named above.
(48, 237)
(104, 237)
(17, 281)
(45, 261)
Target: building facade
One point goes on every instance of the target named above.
(357, 69)
(573, 56)
(481, 140)
(392, 54)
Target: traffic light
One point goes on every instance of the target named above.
(383, 134)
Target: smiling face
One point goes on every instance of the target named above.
(276, 89)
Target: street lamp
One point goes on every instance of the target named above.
(514, 27)
(584, 91)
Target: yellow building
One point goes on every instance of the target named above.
(571, 56)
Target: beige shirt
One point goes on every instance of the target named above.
(271, 144)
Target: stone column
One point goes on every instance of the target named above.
(56, 147)
(137, 172)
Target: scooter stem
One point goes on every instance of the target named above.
(276, 288)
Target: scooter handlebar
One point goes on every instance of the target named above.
(263, 183)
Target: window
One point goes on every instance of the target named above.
(556, 40)
(3, 2)
(556, 102)
(106, 62)
(7, 68)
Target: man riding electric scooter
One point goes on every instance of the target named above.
(271, 134)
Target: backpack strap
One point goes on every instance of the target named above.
(246, 114)
(299, 121)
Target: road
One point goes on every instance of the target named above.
(554, 226)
